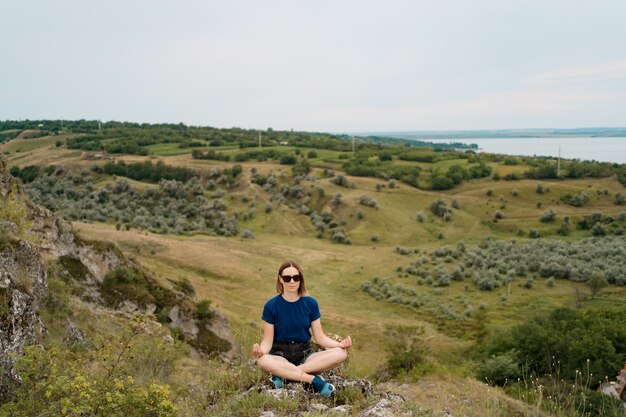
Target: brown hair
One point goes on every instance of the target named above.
(279, 285)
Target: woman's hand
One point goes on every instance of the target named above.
(346, 343)
(256, 350)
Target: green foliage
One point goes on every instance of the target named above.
(132, 284)
(26, 174)
(499, 369)
(406, 352)
(77, 270)
(596, 282)
(13, 209)
(185, 286)
(98, 382)
(368, 201)
(544, 170)
(211, 154)
(440, 208)
(288, 160)
(173, 207)
(146, 171)
(595, 338)
(203, 310)
(577, 200)
(548, 216)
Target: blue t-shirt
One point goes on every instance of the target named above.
(291, 320)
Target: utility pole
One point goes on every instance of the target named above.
(353, 146)
(259, 139)
(558, 164)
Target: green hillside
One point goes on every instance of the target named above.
(432, 244)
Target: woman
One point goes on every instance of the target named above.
(285, 352)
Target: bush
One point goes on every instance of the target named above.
(341, 181)
(548, 216)
(247, 234)
(578, 200)
(498, 369)
(94, 383)
(368, 201)
(203, 310)
(439, 208)
(406, 353)
(288, 160)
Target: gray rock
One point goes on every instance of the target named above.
(73, 334)
(318, 407)
(381, 409)
(23, 286)
(342, 409)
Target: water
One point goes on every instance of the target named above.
(602, 149)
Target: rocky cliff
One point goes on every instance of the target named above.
(31, 237)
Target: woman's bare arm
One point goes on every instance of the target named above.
(266, 344)
(325, 341)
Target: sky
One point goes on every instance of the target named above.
(334, 66)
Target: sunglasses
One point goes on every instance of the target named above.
(288, 278)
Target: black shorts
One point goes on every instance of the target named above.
(295, 352)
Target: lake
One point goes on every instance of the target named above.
(603, 149)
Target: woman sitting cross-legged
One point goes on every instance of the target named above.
(285, 352)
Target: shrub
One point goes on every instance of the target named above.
(93, 383)
(548, 216)
(406, 353)
(341, 181)
(598, 229)
(578, 200)
(539, 189)
(619, 199)
(203, 310)
(439, 208)
(498, 369)
(367, 201)
(288, 160)
(247, 234)
(514, 192)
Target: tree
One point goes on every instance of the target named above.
(596, 282)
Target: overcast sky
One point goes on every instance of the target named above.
(317, 65)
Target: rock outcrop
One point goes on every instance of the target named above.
(29, 235)
(23, 286)
(380, 403)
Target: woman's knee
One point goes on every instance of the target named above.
(265, 363)
(340, 354)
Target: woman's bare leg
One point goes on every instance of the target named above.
(324, 361)
(279, 366)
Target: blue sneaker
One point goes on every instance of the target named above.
(324, 388)
(278, 381)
